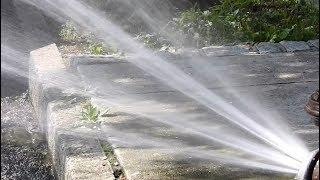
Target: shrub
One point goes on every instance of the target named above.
(277, 20)
(69, 33)
(251, 20)
(153, 41)
(201, 28)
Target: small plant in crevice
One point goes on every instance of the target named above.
(90, 113)
(116, 167)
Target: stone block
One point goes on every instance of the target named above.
(226, 50)
(314, 43)
(268, 47)
(293, 46)
(44, 64)
(75, 155)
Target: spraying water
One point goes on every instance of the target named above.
(287, 149)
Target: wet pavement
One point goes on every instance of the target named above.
(24, 152)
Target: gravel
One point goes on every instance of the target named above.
(24, 152)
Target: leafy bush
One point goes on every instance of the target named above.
(153, 41)
(201, 28)
(251, 20)
(69, 33)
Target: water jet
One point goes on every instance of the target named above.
(310, 168)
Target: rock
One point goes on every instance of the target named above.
(268, 47)
(189, 52)
(226, 50)
(293, 46)
(165, 54)
(314, 43)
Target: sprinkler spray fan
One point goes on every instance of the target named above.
(310, 168)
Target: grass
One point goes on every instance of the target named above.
(91, 113)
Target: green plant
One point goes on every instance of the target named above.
(69, 32)
(97, 48)
(153, 41)
(277, 20)
(201, 28)
(107, 149)
(90, 113)
(87, 41)
(250, 20)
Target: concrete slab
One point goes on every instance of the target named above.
(241, 70)
(279, 83)
(154, 164)
(75, 156)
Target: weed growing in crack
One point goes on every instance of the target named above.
(90, 113)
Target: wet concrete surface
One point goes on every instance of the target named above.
(23, 29)
(24, 152)
(276, 86)
(11, 86)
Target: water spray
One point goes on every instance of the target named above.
(310, 168)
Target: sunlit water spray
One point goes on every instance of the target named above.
(176, 120)
(174, 77)
(179, 121)
(157, 20)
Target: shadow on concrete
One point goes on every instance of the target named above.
(23, 29)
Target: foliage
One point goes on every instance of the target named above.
(201, 28)
(96, 48)
(107, 149)
(250, 20)
(90, 113)
(70, 34)
(154, 41)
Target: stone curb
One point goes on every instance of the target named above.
(243, 49)
(262, 48)
(75, 60)
(218, 51)
(74, 156)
